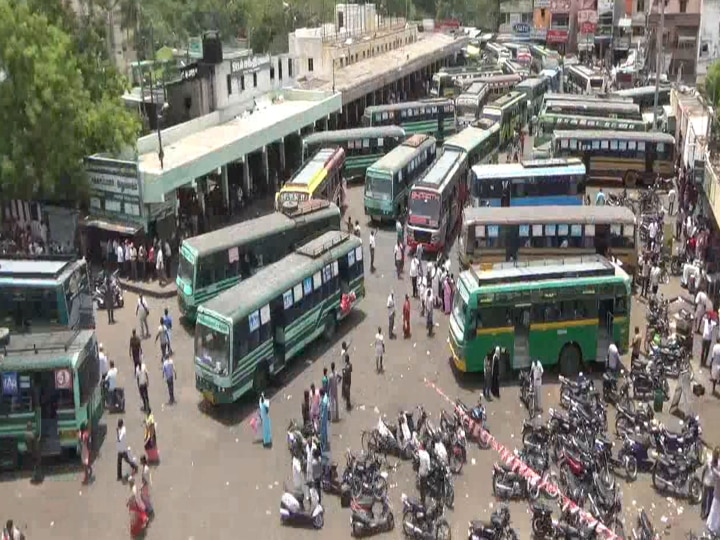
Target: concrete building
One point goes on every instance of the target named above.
(516, 17)
(542, 17)
(587, 19)
(680, 40)
(709, 48)
(561, 35)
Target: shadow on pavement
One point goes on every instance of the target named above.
(238, 412)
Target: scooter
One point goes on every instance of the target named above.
(292, 511)
(114, 401)
(363, 522)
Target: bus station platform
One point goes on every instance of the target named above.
(402, 73)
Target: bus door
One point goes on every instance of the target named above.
(650, 156)
(605, 327)
(277, 322)
(505, 196)
(510, 238)
(49, 400)
(521, 350)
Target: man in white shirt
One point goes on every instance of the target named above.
(142, 310)
(398, 258)
(701, 300)
(379, 349)
(423, 470)
(672, 196)
(414, 269)
(391, 314)
(110, 382)
(120, 256)
(143, 379)
(654, 279)
(371, 243)
(652, 234)
(709, 325)
(103, 362)
(123, 449)
(536, 371)
(613, 358)
(715, 365)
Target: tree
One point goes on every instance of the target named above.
(60, 101)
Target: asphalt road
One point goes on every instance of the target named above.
(215, 481)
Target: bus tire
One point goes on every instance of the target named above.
(630, 179)
(330, 326)
(570, 358)
(261, 378)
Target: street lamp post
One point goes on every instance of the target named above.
(659, 35)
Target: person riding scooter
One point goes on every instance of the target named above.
(114, 398)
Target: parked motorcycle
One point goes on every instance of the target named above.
(114, 401)
(474, 422)
(497, 529)
(542, 522)
(676, 474)
(424, 523)
(527, 392)
(508, 484)
(293, 512)
(365, 523)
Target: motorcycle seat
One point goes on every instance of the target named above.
(540, 507)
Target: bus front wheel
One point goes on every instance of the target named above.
(570, 360)
(630, 179)
(261, 378)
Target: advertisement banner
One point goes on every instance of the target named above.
(605, 7)
(557, 36)
(588, 28)
(10, 383)
(560, 6)
(541, 4)
(584, 5)
(521, 28)
(587, 16)
(115, 189)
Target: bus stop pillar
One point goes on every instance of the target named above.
(266, 166)
(282, 154)
(224, 186)
(246, 174)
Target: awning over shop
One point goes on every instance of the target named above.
(111, 225)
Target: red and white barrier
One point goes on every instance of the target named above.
(526, 472)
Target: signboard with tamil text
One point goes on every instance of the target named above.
(114, 188)
(249, 64)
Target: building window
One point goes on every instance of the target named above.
(242, 83)
(640, 6)
(504, 18)
(254, 80)
(272, 73)
(526, 17)
(229, 84)
(290, 67)
(683, 6)
(280, 69)
(310, 64)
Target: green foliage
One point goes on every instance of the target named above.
(712, 84)
(60, 100)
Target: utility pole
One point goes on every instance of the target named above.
(659, 35)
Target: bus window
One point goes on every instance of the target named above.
(357, 268)
(88, 376)
(205, 273)
(620, 305)
(498, 317)
(241, 334)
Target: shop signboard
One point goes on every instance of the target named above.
(587, 5)
(560, 6)
(114, 188)
(557, 36)
(249, 64)
(538, 34)
(541, 4)
(521, 28)
(587, 16)
(605, 6)
(587, 28)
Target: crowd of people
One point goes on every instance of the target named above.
(136, 261)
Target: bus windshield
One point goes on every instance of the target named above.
(425, 204)
(185, 270)
(378, 187)
(459, 307)
(212, 348)
(34, 306)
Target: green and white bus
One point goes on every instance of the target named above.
(363, 146)
(215, 261)
(510, 112)
(249, 333)
(595, 107)
(583, 80)
(388, 181)
(434, 117)
(448, 82)
(52, 381)
(544, 58)
(469, 104)
(644, 96)
(534, 89)
(549, 122)
(564, 312)
(480, 145)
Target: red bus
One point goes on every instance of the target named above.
(437, 200)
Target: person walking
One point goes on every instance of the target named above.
(160, 265)
(123, 450)
(600, 198)
(379, 350)
(85, 457)
(701, 302)
(398, 256)
(314, 407)
(713, 519)
(709, 324)
(536, 371)
(167, 258)
(429, 310)
(645, 279)
(423, 470)
(170, 376)
(635, 345)
(414, 270)
(164, 337)
(120, 257)
(11, 532)
(142, 311)
(305, 409)
(32, 444)
(141, 262)
(681, 400)
(672, 197)
(406, 317)
(391, 314)
(333, 392)
(708, 481)
(487, 376)
(315, 466)
(136, 352)
(138, 516)
(150, 438)
(371, 242)
(264, 406)
(613, 358)
(654, 279)
(145, 484)
(715, 366)
(110, 300)
(346, 379)
(168, 322)
(325, 381)
(143, 380)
